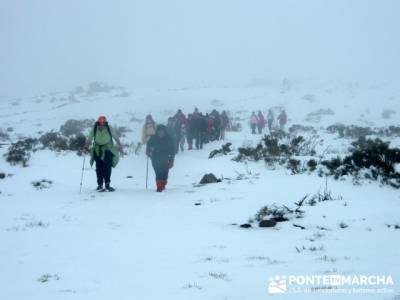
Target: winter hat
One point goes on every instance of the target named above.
(102, 120)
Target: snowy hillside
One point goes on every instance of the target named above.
(187, 243)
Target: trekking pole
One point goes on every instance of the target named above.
(147, 171)
(83, 168)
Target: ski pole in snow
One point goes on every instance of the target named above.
(83, 168)
(147, 171)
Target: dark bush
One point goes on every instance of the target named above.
(4, 136)
(278, 147)
(20, 152)
(76, 143)
(351, 131)
(225, 149)
(54, 141)
(75, 127)
(374, 157)
(312, 164)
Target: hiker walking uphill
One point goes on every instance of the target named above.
(103, 152)
(160, 149)
(270, 119)
(225, 124)
(282, 118)
(261, 122)
(253, 122)
(149, 129)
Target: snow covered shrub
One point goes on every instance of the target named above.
(294, 165)
(278, 213)
(20, 152)
(309, 97)
(54, 141)
(122, 130)
(372, 159)
(391, 131)
(388, 113)
(225, 149)
(75, 127)
(351, 131)
(337, 128)
(279, 147)
(312, 165)
(42, 184)
(4, 136)
(47, 277)
(298, 128)
(316, 116)
(76, 143)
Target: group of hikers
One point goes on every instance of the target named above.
(162, 142)
(196, 129)
(259, 122)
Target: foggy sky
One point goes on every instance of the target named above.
(51, 45)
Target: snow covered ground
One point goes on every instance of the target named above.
(186, 243)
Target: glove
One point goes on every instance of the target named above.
(85, 149)
(121, 149)
(170, 164)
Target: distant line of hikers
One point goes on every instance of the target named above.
(162, 142)
(196, 129)
(258, 121)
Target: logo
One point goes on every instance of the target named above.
(277, 285)
(333, 283)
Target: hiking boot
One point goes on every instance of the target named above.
(159, 186)
(99, 187)
(109, 188)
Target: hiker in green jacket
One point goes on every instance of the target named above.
(104, 152)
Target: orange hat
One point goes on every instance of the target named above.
(102, 120)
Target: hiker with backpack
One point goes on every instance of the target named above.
(174, 130)
(253, 122)
(225, 122)
(261, 122)
(103, 151)
(160, 148)
(282, 118)
(270, 119)
(149, 129)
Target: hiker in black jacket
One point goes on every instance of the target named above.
(161, 150)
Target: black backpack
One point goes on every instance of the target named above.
(95, 131)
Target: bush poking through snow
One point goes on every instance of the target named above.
(350, 131)
(298, 128)
(268, 216)
(225, 149)
(388, 113)
(47, 277)
(75, 127)
(278, 147)
(54, 141)
(316, 116)
(20, 152)
(219, 275)
(371, 159)
(4, 136)
(42, 184)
